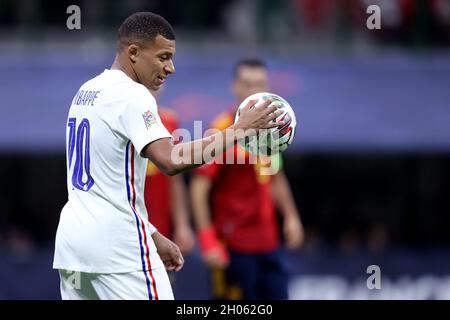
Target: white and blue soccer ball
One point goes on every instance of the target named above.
(275, 140)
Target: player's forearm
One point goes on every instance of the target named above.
(194, 153)
(283, 197)
(172, 159)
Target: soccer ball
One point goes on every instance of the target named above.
(270, 141)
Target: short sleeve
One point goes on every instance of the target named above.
(141, 122)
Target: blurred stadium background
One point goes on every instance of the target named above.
(370, 166)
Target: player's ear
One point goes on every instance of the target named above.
(133, 52)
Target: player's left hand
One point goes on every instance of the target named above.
(169, 252)
(293, 231)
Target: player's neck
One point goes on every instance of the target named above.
(128, 70)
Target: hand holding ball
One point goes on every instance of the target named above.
(270, 141)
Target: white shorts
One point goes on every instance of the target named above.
(138, 285)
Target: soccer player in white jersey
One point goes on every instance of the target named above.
(105, 247)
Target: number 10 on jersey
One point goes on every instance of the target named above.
(79, 143)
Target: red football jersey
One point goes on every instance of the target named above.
(157, 185)
(241, 201)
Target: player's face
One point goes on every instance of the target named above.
(155, 63)
(250, 80)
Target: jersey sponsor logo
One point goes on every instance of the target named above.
(149, 119)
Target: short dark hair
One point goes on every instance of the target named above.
(248, 62)
(143, 27)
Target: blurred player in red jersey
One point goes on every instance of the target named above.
(166, 197)
(234, 208)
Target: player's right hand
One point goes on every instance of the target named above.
(260, 117)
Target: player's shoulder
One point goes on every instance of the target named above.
(139, 91)
(222, 121)
(118, 84)
(93, 82)
(136, 94)
(125, 87)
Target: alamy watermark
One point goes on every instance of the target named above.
(74, 20)
(373, 22)
(374, 280)
(74, 280)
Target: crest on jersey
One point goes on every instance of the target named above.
(149, 119)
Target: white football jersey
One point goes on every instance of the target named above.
(104, 226)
